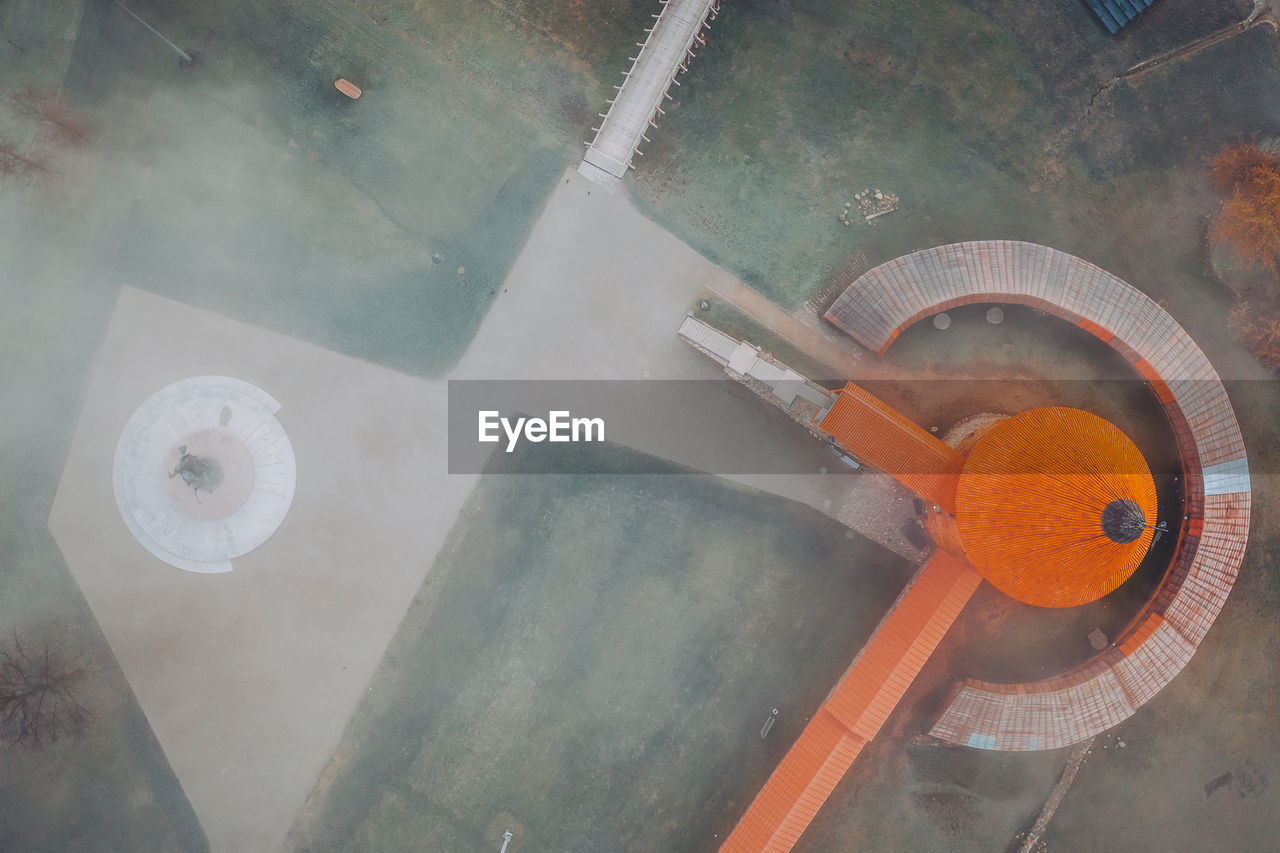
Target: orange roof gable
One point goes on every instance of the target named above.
(874, 432)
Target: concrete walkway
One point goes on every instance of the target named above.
(248, 678)
(599, 291)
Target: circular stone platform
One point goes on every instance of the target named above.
(204, 472)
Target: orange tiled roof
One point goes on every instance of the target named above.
(1031, 502)
(885, 439)
(856, 709)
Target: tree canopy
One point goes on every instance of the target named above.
(1250, 218)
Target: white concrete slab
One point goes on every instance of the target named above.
(598, 292)
(249, 677)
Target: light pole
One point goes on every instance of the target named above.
(186, 58)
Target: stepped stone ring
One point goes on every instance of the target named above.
(204, 472)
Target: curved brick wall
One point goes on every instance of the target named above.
(1154, 648)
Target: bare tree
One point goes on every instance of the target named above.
(13, 163)
(48, 127)
(40, 695)
(58, 122)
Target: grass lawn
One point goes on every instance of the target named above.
(591, 661)
(976, 114)
(380, 228)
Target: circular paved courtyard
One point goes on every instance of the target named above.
(204, 472)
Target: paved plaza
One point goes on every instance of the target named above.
(249, 677)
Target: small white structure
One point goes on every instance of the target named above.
(204, 472)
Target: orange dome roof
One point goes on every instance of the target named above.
(1055, 507)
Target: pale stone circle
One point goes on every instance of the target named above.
(212, 433)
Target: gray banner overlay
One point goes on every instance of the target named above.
(723, 427)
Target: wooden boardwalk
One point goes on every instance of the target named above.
(664, 53)
(856, 708)
(1158, 644)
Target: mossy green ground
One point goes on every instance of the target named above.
(592, 659)
(381, 227)
(978, 115)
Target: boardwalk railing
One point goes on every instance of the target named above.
(664, 53)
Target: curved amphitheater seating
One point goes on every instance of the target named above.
(1160, 641)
